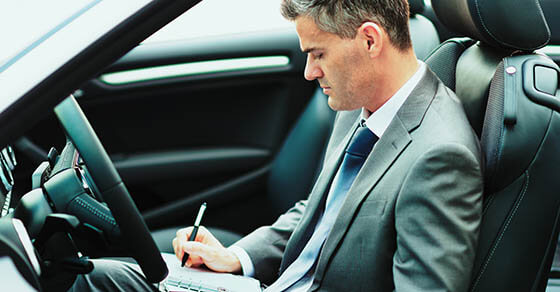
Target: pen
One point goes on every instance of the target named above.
(195, 230)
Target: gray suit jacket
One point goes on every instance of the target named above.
(409, 222)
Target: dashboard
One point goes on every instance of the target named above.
(15, 242)
(34, 226)
(8, 163)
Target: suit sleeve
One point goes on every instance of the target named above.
(265, 246)
(437, 219)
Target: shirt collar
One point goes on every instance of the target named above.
(379, 120)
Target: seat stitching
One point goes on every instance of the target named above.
(498, 153)
(548, 28)
(500, 41)
(488, 203)
(510, 217)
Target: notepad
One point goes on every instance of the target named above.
(203, 280)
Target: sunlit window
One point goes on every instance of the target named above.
(23, 22)
(221, 17)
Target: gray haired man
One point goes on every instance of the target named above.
(408, 219)
(397, 205)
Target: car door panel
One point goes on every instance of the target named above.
(206, 135)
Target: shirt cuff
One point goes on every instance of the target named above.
(246, 263)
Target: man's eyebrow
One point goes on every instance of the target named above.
(309, 50)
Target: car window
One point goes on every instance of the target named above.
(222, 17)
(24, 22)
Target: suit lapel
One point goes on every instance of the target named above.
(316, 200)
(393, 142)
(378, 162)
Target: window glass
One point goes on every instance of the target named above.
(23, 22)
(221, 17)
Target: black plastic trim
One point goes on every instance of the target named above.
(164, 165)
(218, 195)
(535, 95)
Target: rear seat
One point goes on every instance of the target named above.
(294, 171)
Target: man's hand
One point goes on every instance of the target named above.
(206, 249)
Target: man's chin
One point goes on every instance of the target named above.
(333, 104)
(336, 106)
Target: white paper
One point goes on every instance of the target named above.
(190, 279)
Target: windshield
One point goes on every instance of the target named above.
(24, 24)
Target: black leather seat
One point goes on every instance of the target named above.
(422, 31)
(551, 10)
(511, 96)
(293, 172)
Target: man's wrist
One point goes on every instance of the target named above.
(247, 267)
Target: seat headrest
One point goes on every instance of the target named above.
(416, 6)
(515, 25)
(552, 12)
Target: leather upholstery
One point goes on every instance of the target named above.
(514, 25)
(551, 10)
(424, 36)
(443, 60)
(416, 6)
(294, 167)
(508, 97)
(475, 69)
(520, 138)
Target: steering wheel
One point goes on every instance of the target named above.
(112, 189)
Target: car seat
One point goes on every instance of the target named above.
(551, 9)
(423, 33)
(510, 95)
(293, 171)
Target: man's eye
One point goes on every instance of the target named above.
(318, 56)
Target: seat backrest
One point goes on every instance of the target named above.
(551, 9)
(510, 95)
(300, 157)
(423, 33)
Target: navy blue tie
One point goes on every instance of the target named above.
(298, 276)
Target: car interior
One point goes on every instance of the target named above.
(250, 142)
(292, 172)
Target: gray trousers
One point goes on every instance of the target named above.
(113, 275)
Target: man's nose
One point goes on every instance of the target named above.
(312, 70)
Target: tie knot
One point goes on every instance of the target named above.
(362, 142)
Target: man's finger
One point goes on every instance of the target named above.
(177, 249)
(184, 233)
(197, 252)
(195, 261)
(195, 248)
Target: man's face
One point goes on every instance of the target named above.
(340, 65)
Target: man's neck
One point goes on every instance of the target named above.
(394, 70)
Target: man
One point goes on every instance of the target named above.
(410, 220)
(402, 216)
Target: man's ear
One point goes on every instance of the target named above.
(371, 36)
